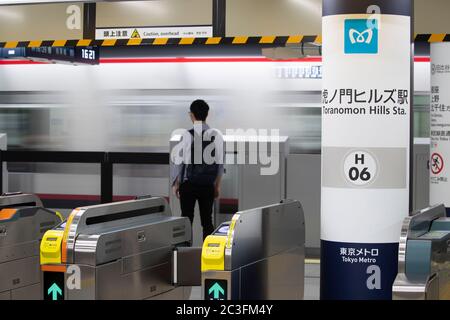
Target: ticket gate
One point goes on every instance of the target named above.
(258, 255)
(123, 250)
(23, 222)
(424, 257)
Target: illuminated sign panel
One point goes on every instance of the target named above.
(81, 55)
(53, 286)
(216, 289)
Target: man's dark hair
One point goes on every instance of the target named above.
(200, 109)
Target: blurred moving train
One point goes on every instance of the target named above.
(134, 103)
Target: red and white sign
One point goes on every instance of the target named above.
(437, 163)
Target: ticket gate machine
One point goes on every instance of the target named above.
(23, 222)
(123, 250)
(424, 257)
(258, 255)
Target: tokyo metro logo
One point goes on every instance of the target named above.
(361, 36)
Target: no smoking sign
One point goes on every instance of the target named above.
(360, 168)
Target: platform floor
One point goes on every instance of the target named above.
(312, 282)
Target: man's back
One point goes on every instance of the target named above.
(203, 168)
(198, 178)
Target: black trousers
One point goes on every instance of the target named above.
(189, 195)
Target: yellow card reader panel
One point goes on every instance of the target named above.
(51, 247)
(213, 253)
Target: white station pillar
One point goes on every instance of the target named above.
(440, 125)
(366, 143)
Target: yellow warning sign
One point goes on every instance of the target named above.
(135, 34)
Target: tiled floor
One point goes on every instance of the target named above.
(312, 283)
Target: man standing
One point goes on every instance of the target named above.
(197, 179)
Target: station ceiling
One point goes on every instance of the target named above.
(242, 17)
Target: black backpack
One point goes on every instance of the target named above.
(201, 174)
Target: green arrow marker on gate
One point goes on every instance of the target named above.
(54, 290)
(216, 289)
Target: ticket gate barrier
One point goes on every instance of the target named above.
(258, 255)
(123, 250)
(424, 257)
(23, 222)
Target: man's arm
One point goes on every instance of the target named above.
(177, 171)
(175, 179)
(176, 188)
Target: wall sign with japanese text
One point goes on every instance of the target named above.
(154, 32)
(366, 101)
(440, 124)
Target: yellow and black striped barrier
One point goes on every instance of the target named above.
(265, 40)
(274, 40)
(431, 38)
